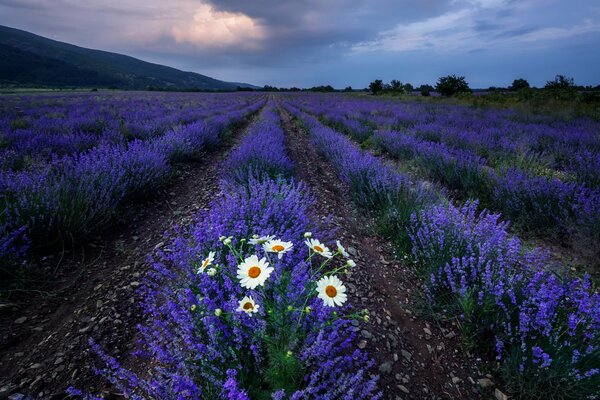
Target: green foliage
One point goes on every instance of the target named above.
(451, 85)
(519, 84)
(425, 90)
(376, 87)
(560, 82)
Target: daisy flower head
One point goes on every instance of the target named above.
(307, 235)
(318, 247)
(260, 239)
(277, 246)
(332, 291)
(211, 272)
(341, 249)
(253, 272)
(350, 263)
(248, 305)
(206, 262)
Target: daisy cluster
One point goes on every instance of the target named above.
(544, 329)
(247, 303)
(67, 167)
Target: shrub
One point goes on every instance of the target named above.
(519, 84)
(451, 85)
(376, 86)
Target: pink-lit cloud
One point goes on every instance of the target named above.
(211, 28)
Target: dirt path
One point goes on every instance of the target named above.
(43, 343)
(416, 360)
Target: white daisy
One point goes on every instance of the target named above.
(260, 239)
(331, 290)
(248, 305)
(211, 272)
(206, 262)
(277, 246)
(350, 263)
(318, 247)
(341, 249)
(253, 272)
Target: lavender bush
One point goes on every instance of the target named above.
(542, 328)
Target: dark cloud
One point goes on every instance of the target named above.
(306, 42)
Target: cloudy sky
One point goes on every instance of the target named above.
(337, 42)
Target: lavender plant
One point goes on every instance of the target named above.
(543, 329)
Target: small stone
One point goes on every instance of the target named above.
(406, 354)
(456, 380)
(366, 334)
(99, 303)
(385, 368)
(485, 382)
(59, 360)
(20, 320)
(404, 389)
(36, 366)
(135, 284)
(499, 395)
(427, 331)
(85, 329)
(362, 344)
(450, 335)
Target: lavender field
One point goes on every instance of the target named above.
(298, 246)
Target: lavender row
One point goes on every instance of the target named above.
(262, 152)
(74, 196)
(239, 307)
(537, 204)
(546, 205)
(541, 145)
(543, 329)
(31, 133)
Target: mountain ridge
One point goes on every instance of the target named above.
(29, 60)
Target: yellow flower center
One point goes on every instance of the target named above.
(205, 262)
(330, 291)
(248, 306)
(278, 248)
(318, 249)
(254, 272)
